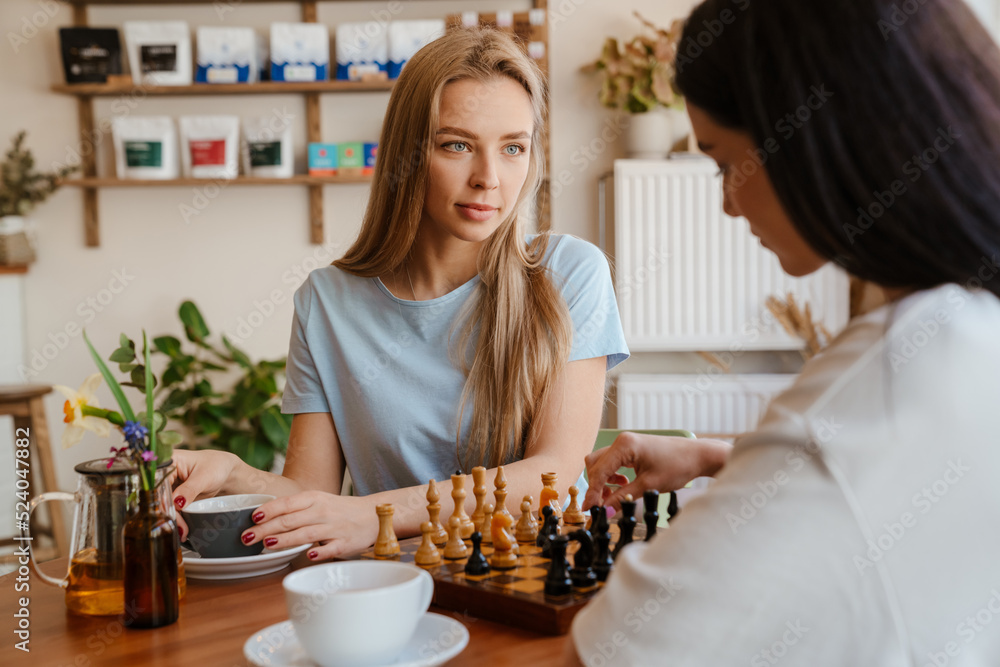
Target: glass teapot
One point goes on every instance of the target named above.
(104, 497)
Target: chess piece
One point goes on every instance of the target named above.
(549, 495)
(500, 493)
(427, 553)
(626, 525)
(488, 523)
(477, 564)
(504, 546)
(672, 508)
(455, 549)
(386, 545)
(479, 491)
(526, 530)
(458, 495)
(573, 516)
(557, 582)
(651, 502)
(582, 574)
(438, 534)
(550, 528)
(602, 540)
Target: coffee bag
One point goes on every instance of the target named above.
(159, 52)
(300, 52)
(210, 146)
(145, 147)
(227, 55)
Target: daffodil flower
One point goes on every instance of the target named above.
(77, 422)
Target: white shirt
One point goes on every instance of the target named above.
(858, 526)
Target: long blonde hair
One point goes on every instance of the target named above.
(515, 339)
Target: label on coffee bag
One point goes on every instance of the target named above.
(144, 153)
(265, 154)
(208, 152)
(158, 57)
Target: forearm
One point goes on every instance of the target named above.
(244, 478)
(712, 456)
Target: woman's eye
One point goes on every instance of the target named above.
(514, 149)
(457, 146)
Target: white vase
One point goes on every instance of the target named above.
(17, 241)
(649, 135)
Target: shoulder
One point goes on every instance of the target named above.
(570, 256)
(329, 284)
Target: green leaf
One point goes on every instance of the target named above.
(168, 345)
(177, 398)
(116, 389)
(208, 424)
(125, 341)
(125, 368)
(171, 439)
(203, 389)
(172, 375)
(238, 356)
(254, 452)
(150, 382)
(122, 355)
(139, 376)
(209, 366)
(159, 421)
(275, 427)
(194, 324)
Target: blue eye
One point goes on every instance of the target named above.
(457, 146)
(517, 149)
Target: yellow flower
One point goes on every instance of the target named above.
(73, 409)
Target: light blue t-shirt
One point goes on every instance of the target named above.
(381, 365)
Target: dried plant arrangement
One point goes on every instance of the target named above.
(799, 323)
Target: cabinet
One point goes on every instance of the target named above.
(90, 183)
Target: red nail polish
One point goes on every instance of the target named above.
(248, 538)
(313, 555)
(270, 541)
(179, 501)
(258, 517)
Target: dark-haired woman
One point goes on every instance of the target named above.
(859, 524)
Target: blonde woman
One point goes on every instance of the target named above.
(446, 337)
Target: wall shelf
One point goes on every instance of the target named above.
(85, 94)
(262, 88)
(299, 179)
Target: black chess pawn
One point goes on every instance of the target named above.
(477, 563)
(672, 508)
(582, 573)
(651, 502)
(626, 526)
(558, 582)
(549, 529)
(602, 540)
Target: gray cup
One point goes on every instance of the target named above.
(216, 524)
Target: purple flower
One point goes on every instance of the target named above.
(135, 434)
(148, 456)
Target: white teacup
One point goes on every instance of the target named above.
(357, 613)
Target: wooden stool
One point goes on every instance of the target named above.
(24, 404)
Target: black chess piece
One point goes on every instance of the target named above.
(626, 526)
(651, 502)
(602, 540)
(558, 582)
(549, 529)
(477, 563)
(582, 574)
(672, 508)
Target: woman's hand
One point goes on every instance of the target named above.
(664, 463)
(338, 524)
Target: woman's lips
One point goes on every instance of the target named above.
(477, 212)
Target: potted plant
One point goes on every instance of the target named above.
(639, 80)
(21, 189)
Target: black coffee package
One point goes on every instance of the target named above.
(90, 54)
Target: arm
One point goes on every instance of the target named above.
(343, 525)
(660, 462)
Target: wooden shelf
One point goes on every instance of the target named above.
(262, 88)
(298, 179)
(13, 269)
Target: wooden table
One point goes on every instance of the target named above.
(216, 618)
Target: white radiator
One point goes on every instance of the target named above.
(690, 277)
(708, 405)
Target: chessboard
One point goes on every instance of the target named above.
(513, 597)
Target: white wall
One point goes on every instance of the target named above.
(247, 244)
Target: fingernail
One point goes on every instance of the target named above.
(611, 511)
(179, 502)
(313, 555)
(248, 538)
(181, 532)
(258, 517)
(270, 541)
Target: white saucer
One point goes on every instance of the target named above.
(436, 640)
(266, 562)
